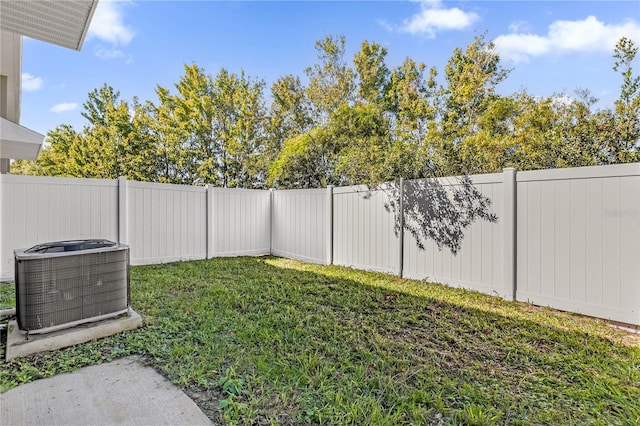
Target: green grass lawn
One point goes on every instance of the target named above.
(265, 340)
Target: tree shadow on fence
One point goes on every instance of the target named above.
(436, 209)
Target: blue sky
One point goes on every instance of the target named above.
(552, 47)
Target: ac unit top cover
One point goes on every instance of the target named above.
(67, 248)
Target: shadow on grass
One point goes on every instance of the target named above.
(258, 340)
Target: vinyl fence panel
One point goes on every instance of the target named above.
(166, 223)
(578, 239)
(240, 222)
(363, 229)
(35, 209)
(301, 224)
(480, 262)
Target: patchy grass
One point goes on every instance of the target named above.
(265, 340)
(7, 296)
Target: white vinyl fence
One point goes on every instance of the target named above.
(160, 222)
(485, 260)
(301, 224)
(578, 239)
(35, 210)
(240, 222)
(165, 223)
(363, 229)
(566, 238)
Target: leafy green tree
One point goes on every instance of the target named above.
(362, 139)
(194, 111)
(372, 72)
(551, 132)
(240, 129)
(412, 104)
(57, 158)
(289, 113)
(111, 145)
(212, 131)
(331, 81)
(624, 129)
(471, 76)
(490, 148)
(174, 161)
(306, 161)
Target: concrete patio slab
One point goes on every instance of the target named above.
(19, 345)
(122, 392)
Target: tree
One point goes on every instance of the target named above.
(362, 139)
(411, 102)
(239, 127)
(174, 160)
(372, 72)
(57, 158)
(551, 132)
(289, 114)
(331, 81)
(194, 110)
(212, 131)
(623, 146)
(472, 76)
(306, 161)
(111, 145)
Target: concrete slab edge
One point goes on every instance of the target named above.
(18, 345)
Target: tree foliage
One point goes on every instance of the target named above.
(362, 121)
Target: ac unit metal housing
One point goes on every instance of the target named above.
(67, 283)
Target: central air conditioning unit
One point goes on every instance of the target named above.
(67, 283)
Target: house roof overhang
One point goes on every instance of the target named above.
(19, 142)
(64, 23)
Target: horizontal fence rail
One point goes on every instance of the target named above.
(565, 238)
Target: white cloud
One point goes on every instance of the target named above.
(588, 35)
(31, 83)
(108, 24)
(433, 17)
(63, 107)
(519, 26)
(106, 53)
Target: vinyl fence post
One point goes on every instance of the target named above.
(209, 202)
(401, 235)
(329, 225)
(510, 233)
(123, 210)
(271, 196)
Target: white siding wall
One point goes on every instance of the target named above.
(35, 210)
(240, 222)
(363, 230)
(301, 224)
(480, 263)
(578, 240)
(166, 223)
